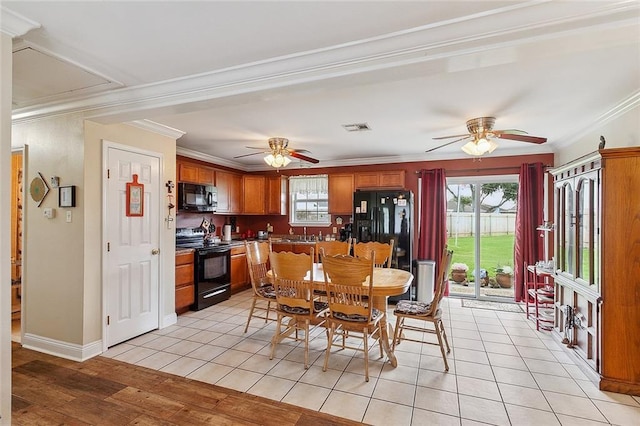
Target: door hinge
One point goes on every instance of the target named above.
(108, 173)
(108, 319)
(108, 247)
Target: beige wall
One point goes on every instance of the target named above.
(132, 136)
(53, 250)
(620, 132)
(63, 261)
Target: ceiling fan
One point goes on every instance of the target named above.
(279, 153)
(481, 137)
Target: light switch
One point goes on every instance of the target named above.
(68, 216)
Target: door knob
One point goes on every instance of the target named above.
(155, 251)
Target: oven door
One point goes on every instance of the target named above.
(213, 276)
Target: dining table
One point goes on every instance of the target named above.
(386, 282)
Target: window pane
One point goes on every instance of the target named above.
(309, 199)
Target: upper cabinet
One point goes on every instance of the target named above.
(229, 186)
(254, 194)
(276, 195)
(389, 179)
(195, 173)
(341, 193)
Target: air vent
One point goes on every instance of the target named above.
(357, 127)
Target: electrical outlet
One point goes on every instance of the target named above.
(335, 230)
(68, 216)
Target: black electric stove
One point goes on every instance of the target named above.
(212, 266)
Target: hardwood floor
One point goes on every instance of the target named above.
(102, 391)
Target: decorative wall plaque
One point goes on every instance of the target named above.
(38, 189)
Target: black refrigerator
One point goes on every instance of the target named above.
(382, 216)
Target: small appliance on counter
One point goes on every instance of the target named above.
(263, 235)
(226, 232)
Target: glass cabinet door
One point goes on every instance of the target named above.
(585, 228)
(568, 231)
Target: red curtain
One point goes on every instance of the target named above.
(529, 247)
(433, 217)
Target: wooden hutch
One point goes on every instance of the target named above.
(597, 277)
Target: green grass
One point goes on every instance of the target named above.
(495, 251)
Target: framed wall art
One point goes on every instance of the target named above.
(67, 196)
(135, 198)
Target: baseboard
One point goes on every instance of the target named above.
(61, 349)
(168, 320)
(619, 386)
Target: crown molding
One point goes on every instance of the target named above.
(14, 24)
(625, 105)
(158, 128)
(529, 21)
(210, 159)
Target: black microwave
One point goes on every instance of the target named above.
(197, 198)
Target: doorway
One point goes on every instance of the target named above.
(131, 286)
(17, 226)
(481, 217)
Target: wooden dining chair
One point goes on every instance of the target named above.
(293, 284)
(383, 252)
(349, 285)
(263, 292)
(332, 248)
(412, 315)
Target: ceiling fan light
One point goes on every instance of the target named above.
(287, 160)
(483, 145)
(492, 146)
(472, 149)
(269, 159)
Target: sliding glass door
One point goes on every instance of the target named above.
(481, 217)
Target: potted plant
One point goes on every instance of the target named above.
(459, 272)
(504, 276)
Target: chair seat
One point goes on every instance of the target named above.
(406, 307)
(267, 291)
(297, 310)
(375, 314)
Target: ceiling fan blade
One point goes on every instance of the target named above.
(255, 147)
(247, 155)
(454, 136)
(522, 138)
(509, 132)
(296, 154)
(448, 143)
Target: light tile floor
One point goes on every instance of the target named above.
(501, 372)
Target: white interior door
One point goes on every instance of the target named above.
(132, 261)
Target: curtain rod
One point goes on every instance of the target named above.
(545, 166)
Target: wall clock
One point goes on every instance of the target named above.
(38, 189)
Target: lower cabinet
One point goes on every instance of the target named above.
(185, 287)
(239, 269)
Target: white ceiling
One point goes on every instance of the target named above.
(233, 74)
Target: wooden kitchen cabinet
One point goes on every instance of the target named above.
(195, 173)
(276, 195)
(229, 186)
(185, 287)
(239, 269)
(341, 193)
(254, 194)
(597, 246)
(390, 179)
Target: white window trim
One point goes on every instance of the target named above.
(293, 223)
